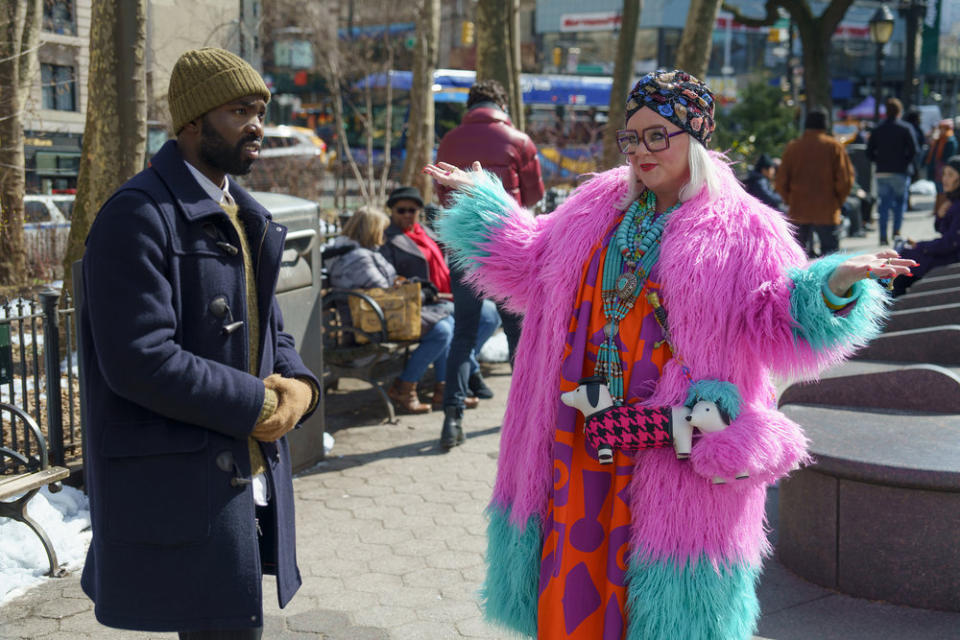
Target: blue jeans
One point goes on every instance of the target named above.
(476, 320)
(434, 348)
(892, 193)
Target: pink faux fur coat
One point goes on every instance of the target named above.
(728, 268)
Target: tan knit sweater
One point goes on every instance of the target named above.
(257, 463)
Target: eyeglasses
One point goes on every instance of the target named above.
(405, 210)
(654, 139)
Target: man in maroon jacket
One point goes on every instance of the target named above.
(485, 135)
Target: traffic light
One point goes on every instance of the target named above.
(466, 33)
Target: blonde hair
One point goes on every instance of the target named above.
(702, 172)
(366, 226)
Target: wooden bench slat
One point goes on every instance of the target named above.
(15, 485)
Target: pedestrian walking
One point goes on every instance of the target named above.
(485, 135)
(913, 119)
(815, 178)
(648, 546)
(943, 146)
(892, 148)
(190, 382)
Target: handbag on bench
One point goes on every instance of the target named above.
(401, 311)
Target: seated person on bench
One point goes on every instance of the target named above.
(945, 249)
(363, 267)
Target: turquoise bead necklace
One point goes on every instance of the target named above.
(633, 251)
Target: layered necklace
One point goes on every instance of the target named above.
(632, 253)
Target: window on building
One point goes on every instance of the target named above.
(59, 17)
(59, 87)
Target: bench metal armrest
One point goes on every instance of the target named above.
(27, 419)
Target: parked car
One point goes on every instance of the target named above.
(292, 161)
(285, 140)
(46, 226)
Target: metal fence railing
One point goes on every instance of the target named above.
(39, 376)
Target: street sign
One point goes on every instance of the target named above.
(6, 355)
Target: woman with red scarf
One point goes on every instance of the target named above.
(413, 251)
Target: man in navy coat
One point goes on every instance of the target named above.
(190, 382)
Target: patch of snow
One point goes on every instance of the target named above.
(17, 389)
(495, 349)
(327, 443)
(923, 188)
(65, 516)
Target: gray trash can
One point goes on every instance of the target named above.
(298, 294)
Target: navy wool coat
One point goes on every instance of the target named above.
(175, 544)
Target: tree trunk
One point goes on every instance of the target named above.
(622, 75)
(516, 91)
(19, 33)
(420, 132)
(115, 134)
(497, 57)
(816, 75)
(815, 33)
(693, 54)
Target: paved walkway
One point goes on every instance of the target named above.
(391, 543)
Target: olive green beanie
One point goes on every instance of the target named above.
(204, 79)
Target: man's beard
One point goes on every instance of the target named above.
(216, 151)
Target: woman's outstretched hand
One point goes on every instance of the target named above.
(452, 177)
(879, 265)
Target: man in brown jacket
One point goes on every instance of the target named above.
(815, 178)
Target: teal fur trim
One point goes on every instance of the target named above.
(510, 592)
(818, 324)
(723, 394)
(475, 215)
(667, 602)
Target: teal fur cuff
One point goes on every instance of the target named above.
(473, 218)
(723, 394)
(510, 591)
(704, 601)
(818, 324)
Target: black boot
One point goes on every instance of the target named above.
(452, 433)
(478, 387)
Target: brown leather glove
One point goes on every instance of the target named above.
(293, 400)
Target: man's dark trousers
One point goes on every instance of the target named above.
(828, 234)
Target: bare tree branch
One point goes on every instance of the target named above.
(738, 16)
(833, 14)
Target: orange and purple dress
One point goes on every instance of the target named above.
(587, 529)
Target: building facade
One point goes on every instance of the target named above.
(55, 114)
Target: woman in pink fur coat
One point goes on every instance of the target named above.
(649, 547)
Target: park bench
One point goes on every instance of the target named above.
(376, 362)
(24, 470)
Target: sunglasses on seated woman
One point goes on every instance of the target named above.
(654, 139)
